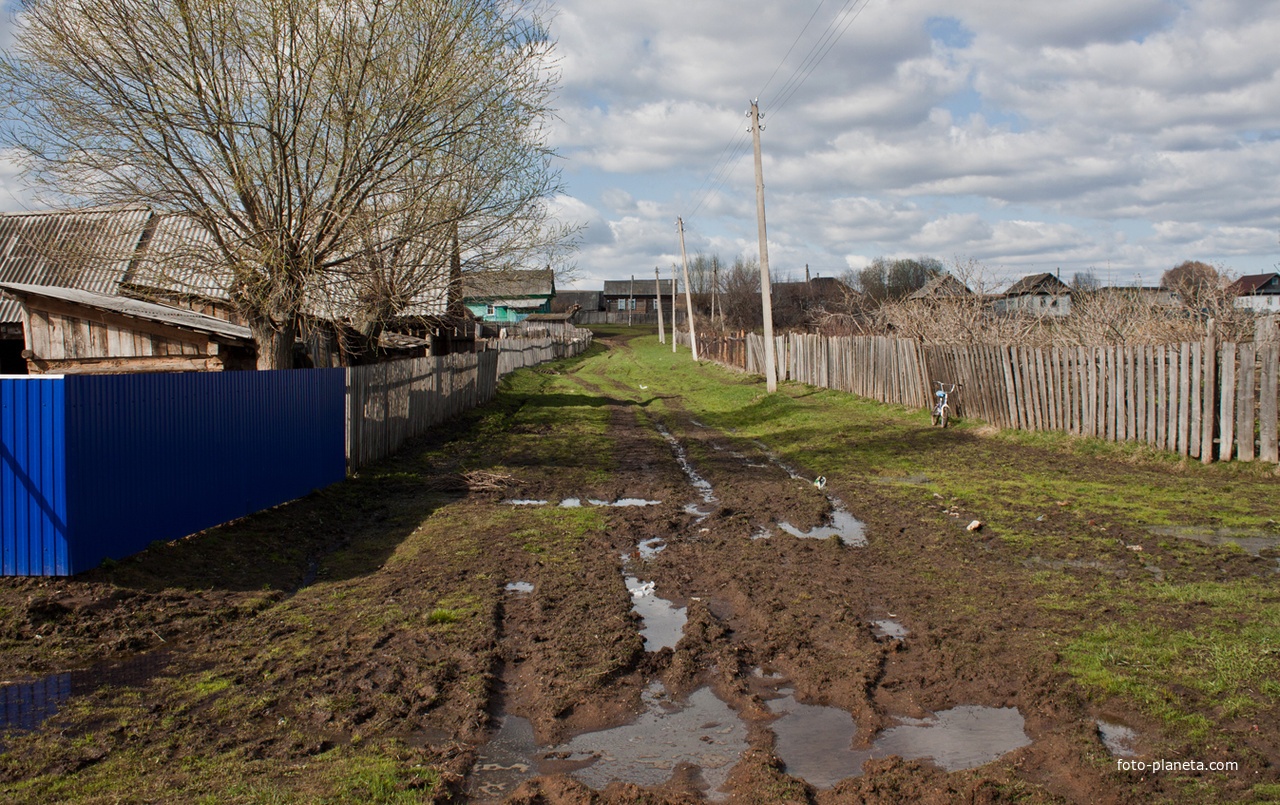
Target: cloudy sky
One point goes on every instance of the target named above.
(1119, 136)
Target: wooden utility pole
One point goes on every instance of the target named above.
(766, 298)
(688, 295)
(657, 294)
(673, 308)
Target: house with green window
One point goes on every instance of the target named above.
(508, 296)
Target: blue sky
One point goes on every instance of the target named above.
(1009, 136)
(1014, 137)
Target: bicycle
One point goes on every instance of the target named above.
(942, 402)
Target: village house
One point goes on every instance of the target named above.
(1037, 295)
(637, 296)
(508, 296)
(1260, 292)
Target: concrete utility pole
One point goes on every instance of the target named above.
(715, 287)
(688, 295)
(766, 298)
(657, 294)
(631, 299)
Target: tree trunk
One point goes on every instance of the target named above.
(275, 344)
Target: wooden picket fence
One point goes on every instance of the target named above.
(1200, 399)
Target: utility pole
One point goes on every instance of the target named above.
(631, 299)
(766, 300)
(657, 294)
(673, 308)
(688, 295)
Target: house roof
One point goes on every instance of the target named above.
(1253, 283)
(642, 287)
(941, 287)
(501, 287)
(88, 249)
(133, 308)
(1038, 283)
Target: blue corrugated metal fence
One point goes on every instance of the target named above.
(101, 466)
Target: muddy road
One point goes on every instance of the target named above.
(631, 579)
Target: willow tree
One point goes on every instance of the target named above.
(316, 144)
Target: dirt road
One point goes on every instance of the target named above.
(636, 579)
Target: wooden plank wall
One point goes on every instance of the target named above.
(1202, 399)
(519, 353)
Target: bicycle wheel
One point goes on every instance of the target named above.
(946, 415)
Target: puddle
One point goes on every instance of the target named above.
(1252, 542)
(1118, 738)
(574, 503)
(571, 503)
(519, 587)
(850, 529)
(707, 506)
(663, 621)
(525, 502)
(625, 502)
(24, 706)
(889, 628)
(844, 525)
(814, 741)
(509, 758)
(702, 731)
(761, 533)
(651, 547)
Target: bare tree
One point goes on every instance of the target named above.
(333, 153)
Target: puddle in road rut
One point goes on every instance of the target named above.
(1119, 739)
(1251, 541)
(708, 502)
(700, 731)
(889, 628)
(575, 503)
(844, 525)
(814, 741)
(663, 621)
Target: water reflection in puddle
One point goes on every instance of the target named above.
(524, 502)
(850, 529)
(702, 731)
(625, 502)
(814, 741)
(1119, 739)
(651, 547)
(571, 503)
(702, 485)
(519, 587)
(844, 525)
(1252, 542)
(663, 621)
(889, 628)
(24, 706)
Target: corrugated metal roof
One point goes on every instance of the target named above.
(124, 306)
(642, 287)
(87, 249)
(483, 285)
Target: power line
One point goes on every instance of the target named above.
(830, 36)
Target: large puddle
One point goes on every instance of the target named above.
(1252, 542)
(700, 732)
(815, 741)
(1120, 741)
(24, 706)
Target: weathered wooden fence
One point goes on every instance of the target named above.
(389, 403)
(518, 353)
(1200, 399)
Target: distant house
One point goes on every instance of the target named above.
(1157, 295)
(508, 296)
(640, 296)
(796, 303)
(1258, 292)
(582, 300)
(1038, 294)
(941, 288)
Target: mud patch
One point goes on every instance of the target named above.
(24, 706)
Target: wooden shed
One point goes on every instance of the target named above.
(73, 331)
